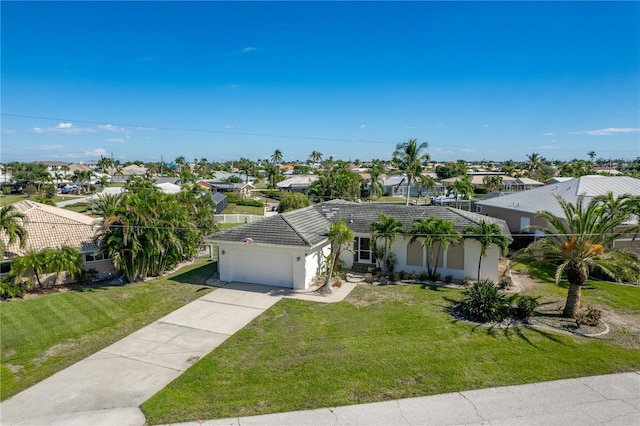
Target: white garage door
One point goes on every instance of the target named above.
(263, 268)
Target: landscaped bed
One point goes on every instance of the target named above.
(381, 343)
(45, 334)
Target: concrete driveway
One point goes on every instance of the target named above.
(108, 387)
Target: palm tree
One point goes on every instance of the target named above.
(492, 182)
(592, 155)
(487, 234)
(463, 188)
(315, 157)
(276, 157)
(11, 225)
(376, 185)
(107, 205)
(533, 163)
(339, 234)
(32, 260)
(409, 159)
(244, 165)
(581, 242)
(65, 259)
(433, 230)
(387, 227)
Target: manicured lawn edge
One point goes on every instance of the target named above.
(382, 343)
(45, 334)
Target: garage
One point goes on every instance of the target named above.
(265, 267)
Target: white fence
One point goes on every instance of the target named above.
(237, 218)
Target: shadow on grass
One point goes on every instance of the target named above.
(198, 275)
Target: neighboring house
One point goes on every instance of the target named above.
(290, 249)
(53, 227)
(508, 183)
(297, 183)
(396, 186)
(220, 200)
(241, 188)
(519, 210)
(168, 187)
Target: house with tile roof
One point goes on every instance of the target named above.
(53, 227)
(289, 250)
(519, 210)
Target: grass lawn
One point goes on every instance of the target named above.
(381, 343)
(45, 334)
(224, 226)
(14, 198)
(235, 209)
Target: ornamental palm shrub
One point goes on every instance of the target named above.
(483, 302)
(526, 306)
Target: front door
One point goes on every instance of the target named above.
(362, 250)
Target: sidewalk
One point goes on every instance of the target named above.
(612, 400)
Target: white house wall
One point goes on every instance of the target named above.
(471, 254)
(281, 266)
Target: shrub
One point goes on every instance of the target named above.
(448, 279)
(437, 276)
(526, 306)
(423, 276)
(402, 275)
(466, 282)
(9, 289)
(591, 317)
(505, 282)
(483, 302)
(293, 201)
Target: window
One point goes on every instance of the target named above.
(5, 268)
(93, 257)
(414, 254)
(455, 257)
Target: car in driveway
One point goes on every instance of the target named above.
(69, 189)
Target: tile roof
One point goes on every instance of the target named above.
(308, 226)
(543, 198)
(51, 227)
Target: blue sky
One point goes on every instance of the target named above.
(476, 80)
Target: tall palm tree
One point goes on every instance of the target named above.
(409, 159)
(339, 234)
(11, 225)
(463, 188)
(592, 155)
(487, 234)
(315, 157)
(533, 163)
(276, 157)
(32, 260)
(65, 259)
(581, 242)
(434, 230)
(387, 228)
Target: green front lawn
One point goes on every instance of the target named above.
(381, 343)
(235, 209)
(14, 198)
(47, 333)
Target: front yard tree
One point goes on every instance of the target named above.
(11, 225)
(409, 159)
(434, 230)
(276, 157)
(339, 234)
(293, 201)
(582, 242)
(387, 227)
(487, 234)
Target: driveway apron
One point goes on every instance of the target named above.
(108, 387)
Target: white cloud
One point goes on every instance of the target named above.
(228, 126)
(549, 134)
(607, 131)
(66, 128)
(486, 125)
(117, 140)
(50, 147)
(248, 49)
(362, 126)
(110, 128)
(466, 150)
(96, 152)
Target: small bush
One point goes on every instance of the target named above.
(9, 289)
(412, 276)
(505, 282)
(402, 275)
(483, 302)
(526, 306)
(393, 277)
(591, 317)
(448, 279)
(423, 276)
(437, 276)
(466, 282)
